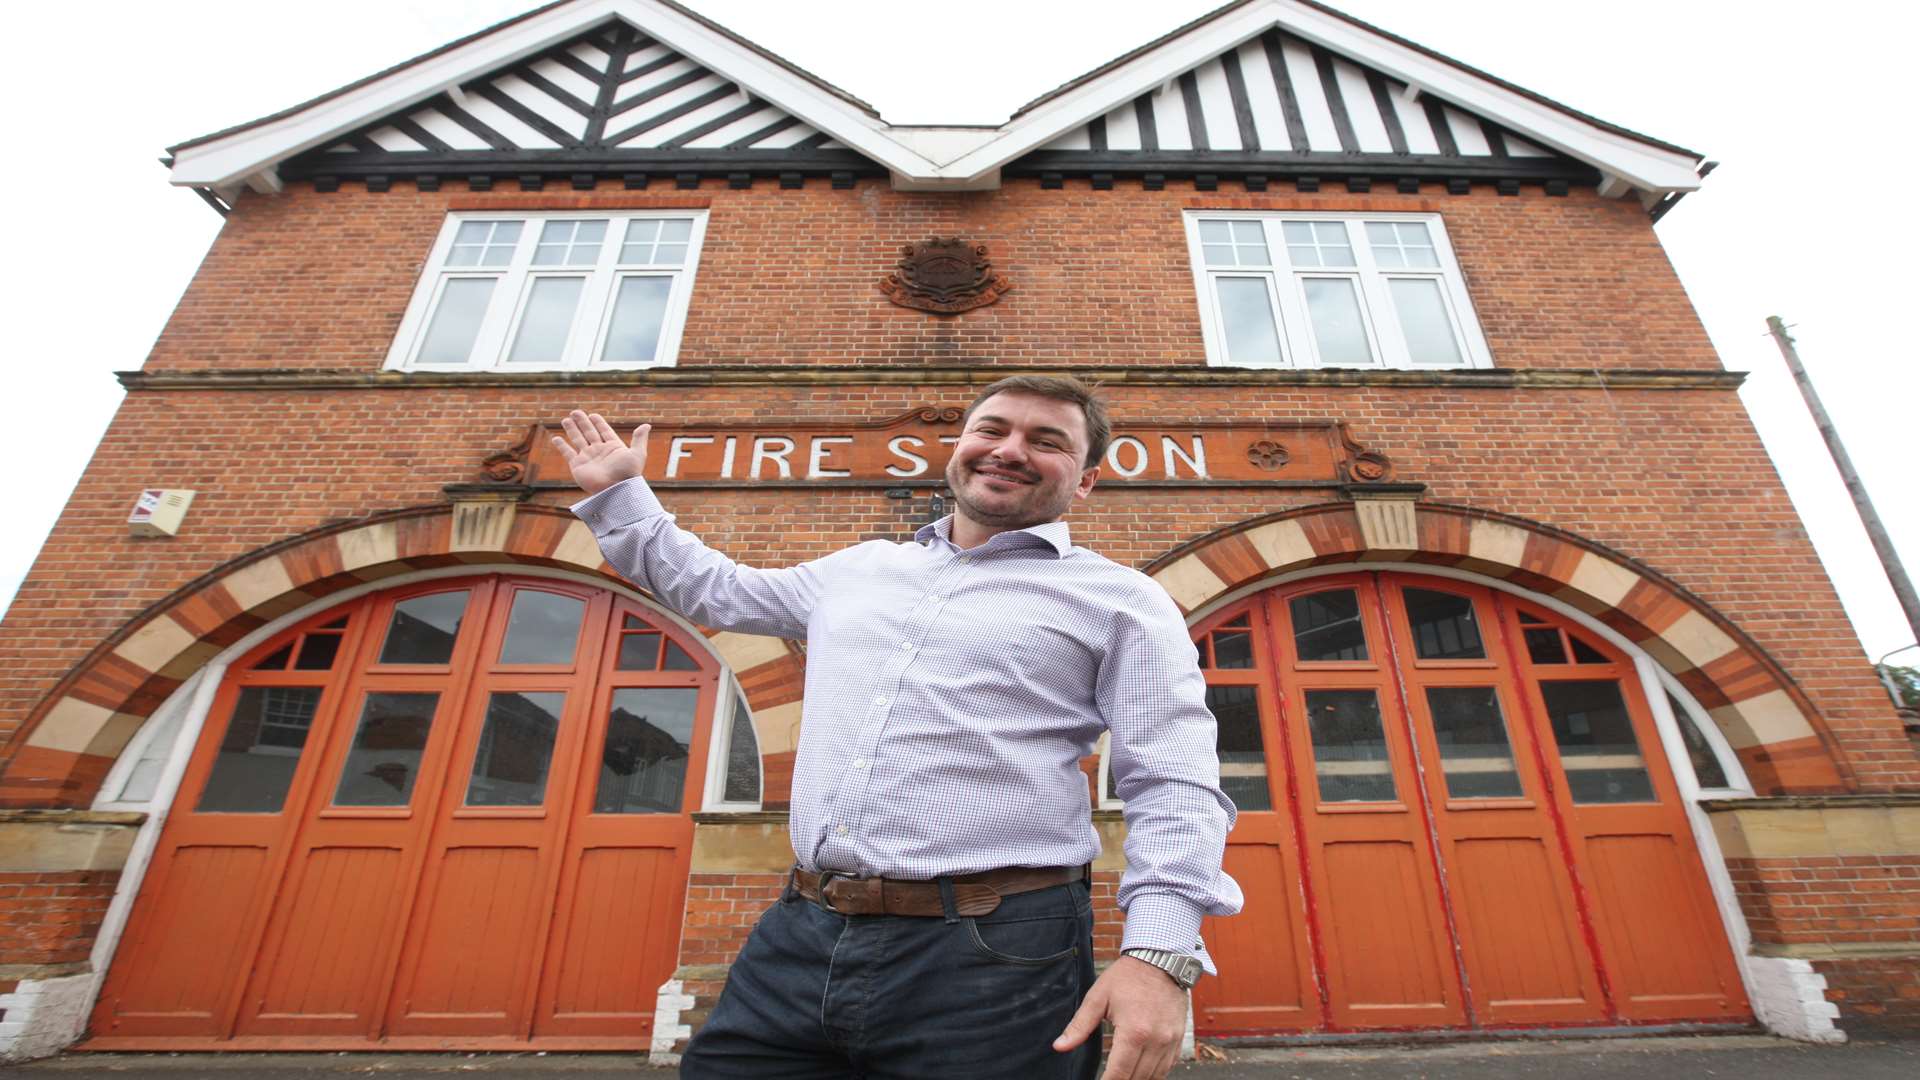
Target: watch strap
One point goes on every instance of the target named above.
(1180, 967)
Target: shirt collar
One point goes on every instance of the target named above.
(1054, 533)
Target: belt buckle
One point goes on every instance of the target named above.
(826, 879)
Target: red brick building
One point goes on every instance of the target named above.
(1538, 707)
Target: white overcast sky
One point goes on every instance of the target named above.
(1804, 104)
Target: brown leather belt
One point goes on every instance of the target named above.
(973, 894)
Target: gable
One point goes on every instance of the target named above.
(612, 93)
(1277, 99)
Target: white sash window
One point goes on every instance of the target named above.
(1317, 290)
(552, 291)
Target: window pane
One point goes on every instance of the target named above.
(423, 629)
(643, 767)
(639, 652)
(670, 254)
(1243, 758)
(516, 746)
(1219, 254)
(1706, 764)
(1597, 747)
(484, 243)
(1443, 626)
(1584, 653)
(742, 783)
(1472, 735)
(456, 321)
(642, 235)
(278, 661)
(638, 313)
(676, 230)
(317, 652)
(1349, 747)
(262, 747)
(1246, 317)
(677, 659)
(569, 243)
(1423, 319)
(1233, 650)
(542, 337)
(1338, 329)
(1216, 232)
(1326, 626)
(385, 759)
(1318, 243)
(1543, 645)
(542, 628)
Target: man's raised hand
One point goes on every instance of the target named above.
(595, 453)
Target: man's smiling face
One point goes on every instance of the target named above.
(1020, 461)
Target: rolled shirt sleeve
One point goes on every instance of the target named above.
(1166, 768)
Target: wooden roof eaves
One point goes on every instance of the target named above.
(224, 160)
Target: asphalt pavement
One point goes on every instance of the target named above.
(1736, 1057)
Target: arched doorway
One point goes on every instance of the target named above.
(453, 814)
(1455, 813)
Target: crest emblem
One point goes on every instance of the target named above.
(946, 276)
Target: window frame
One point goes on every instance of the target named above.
(1373, 292)
(593, 314)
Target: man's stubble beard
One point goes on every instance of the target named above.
(1025, 516)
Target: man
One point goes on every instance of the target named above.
(939, 922)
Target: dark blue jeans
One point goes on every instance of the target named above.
(814, 994)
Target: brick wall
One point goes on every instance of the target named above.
(1856, 916)
(51, 918)
(310, 280)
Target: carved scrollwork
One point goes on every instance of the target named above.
(944, 276)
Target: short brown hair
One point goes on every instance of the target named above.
(1059, 388)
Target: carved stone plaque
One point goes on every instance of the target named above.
(946, 276)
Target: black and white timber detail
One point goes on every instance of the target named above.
(609, 103)
(1279, 106)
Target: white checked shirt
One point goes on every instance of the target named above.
(950, 695)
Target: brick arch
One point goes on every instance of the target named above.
(60, 756)
(1779, 736)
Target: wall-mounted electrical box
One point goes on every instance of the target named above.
(158, 512)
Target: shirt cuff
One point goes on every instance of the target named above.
(1165, 921)
(623, 504)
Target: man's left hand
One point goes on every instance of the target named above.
(1149, 1014)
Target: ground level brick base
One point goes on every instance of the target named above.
(1875, 994)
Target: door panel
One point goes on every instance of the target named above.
(1381, 936)
(323, 967)
(186, 944)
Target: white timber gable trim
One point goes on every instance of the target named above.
(248, 157)
(928, 157)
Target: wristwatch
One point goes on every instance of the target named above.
(1179, 967)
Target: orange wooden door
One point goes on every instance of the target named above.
(1524, 943)
(1662, 944)
(482, 916)
(328, 956)
(1386, 948)
(204, 904)
(392, 834)
(622, 897)
(1264, 954)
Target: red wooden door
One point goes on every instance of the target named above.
(1661, 940)
(383, 836)
(1386, 949)
(1264, 954)
(1470, 834)
(1523, 942)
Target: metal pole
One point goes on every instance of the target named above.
(1876, 532)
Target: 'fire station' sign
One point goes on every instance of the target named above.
(911, 450)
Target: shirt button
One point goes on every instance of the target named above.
(840, 829)
(933, 599)
(906, 646)
(860, 763)
(879, 699)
